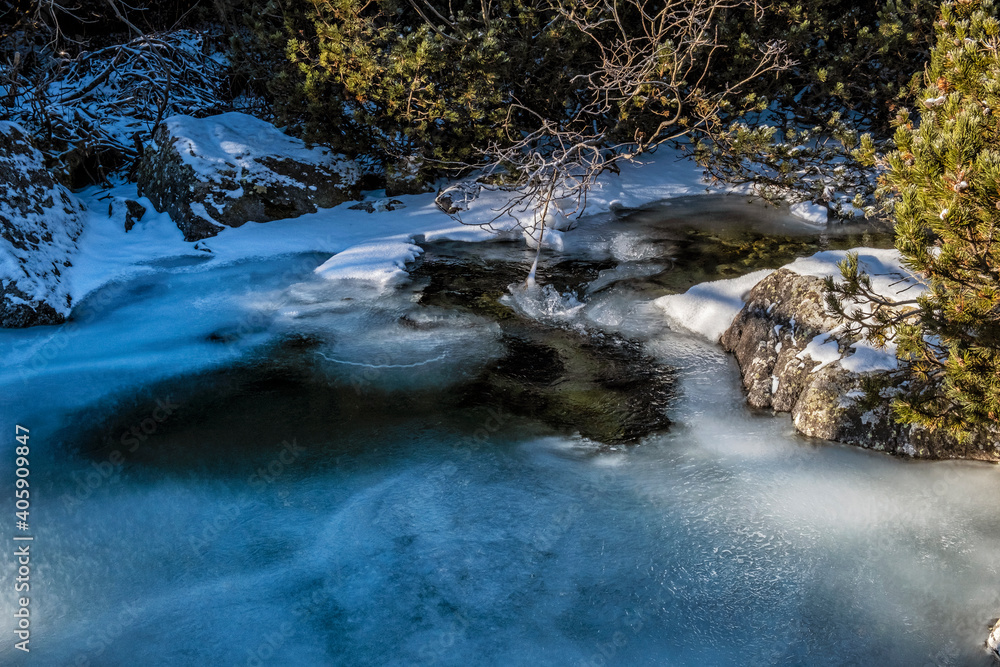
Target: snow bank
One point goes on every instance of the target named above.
(379, 261)
(885, 266)
(708, 309)
(108, 253)
(809, 212)
(384, 238)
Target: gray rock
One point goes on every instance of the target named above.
(40, 222)
(378, 205)
(782, 314)
(993, 641)
(129, 211)
(407, 176)
(769, 336)
(227, 170)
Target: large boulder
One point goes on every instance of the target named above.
(40, 221)
(227, 170)
(793, 360)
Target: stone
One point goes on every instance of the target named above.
(769, 338)
(40, 222)
(227, 170)
(782, 314)
(407, 176)
(129, 211)
(378, 205)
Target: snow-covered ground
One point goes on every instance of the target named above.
(374, 246)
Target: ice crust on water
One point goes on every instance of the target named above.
(382, 338)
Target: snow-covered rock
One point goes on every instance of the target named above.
(40, 221)
(794, 358)
(127, 211)
(226, 170)
(993, 641)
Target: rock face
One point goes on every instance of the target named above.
(993, 641)
(40, 222)
(783, 316)
(226, 170)
(407, 176)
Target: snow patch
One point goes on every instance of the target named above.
(380, 262)
(708, 309)
(238, 142)
(889, 279)
(867, 358)
(823, 348)
(810, 212)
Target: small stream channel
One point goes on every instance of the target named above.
(247, 465)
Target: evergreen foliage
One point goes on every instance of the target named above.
(403, 79)
(944, 184)
(854, 67)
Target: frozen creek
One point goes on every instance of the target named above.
(297, 484)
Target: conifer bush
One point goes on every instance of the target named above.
(943, 184)
(406, 81)
(854, 66)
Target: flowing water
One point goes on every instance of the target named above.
(247, 465)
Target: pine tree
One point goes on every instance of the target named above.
(853, 65)
(943, 181)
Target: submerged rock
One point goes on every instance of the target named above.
(40, 221)
(227, 170)
(790, 362)
(602, 387)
